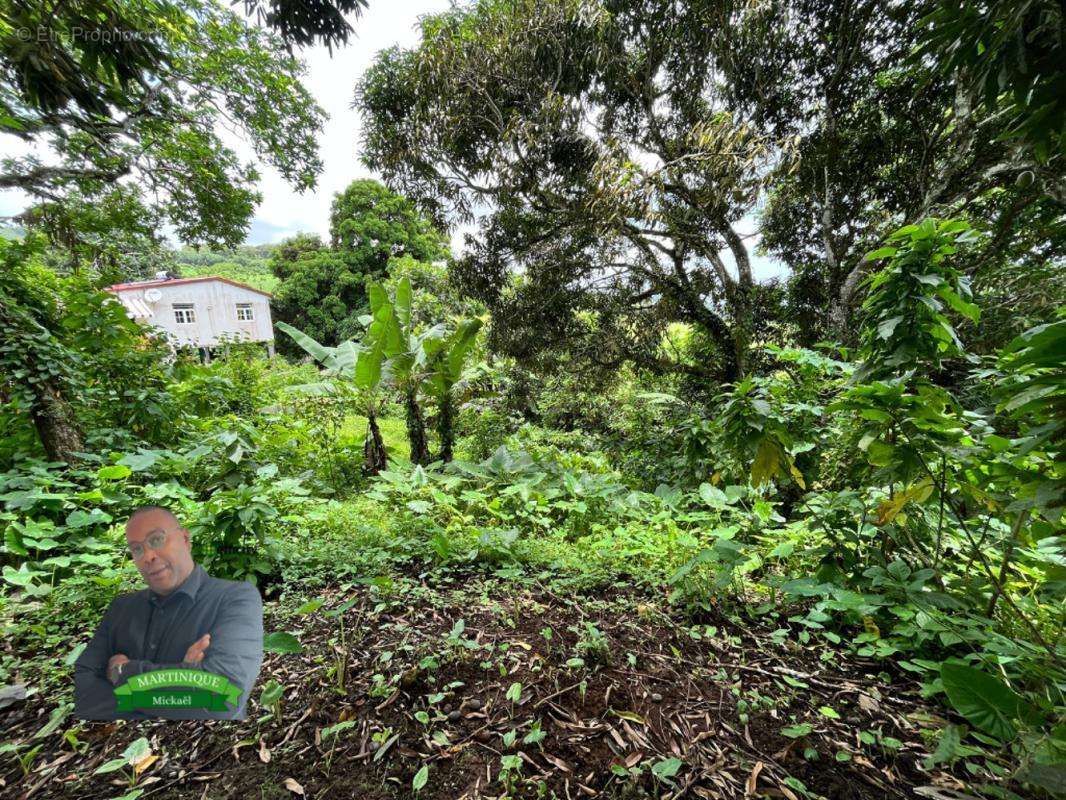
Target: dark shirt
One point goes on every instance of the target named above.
(154, 632)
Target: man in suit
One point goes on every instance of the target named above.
(183, 619)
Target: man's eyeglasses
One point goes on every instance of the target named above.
(154, 540)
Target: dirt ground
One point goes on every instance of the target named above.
(613, 696)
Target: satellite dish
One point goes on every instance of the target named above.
(152, 295)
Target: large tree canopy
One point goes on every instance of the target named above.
(888, 130)
(597, 138)
(303, 22)
(128, 96)
(323, 289)
(614, 150)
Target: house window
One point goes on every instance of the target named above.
(184, 314)
(244, 312)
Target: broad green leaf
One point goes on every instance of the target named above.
(113, 472)
(281, 642)
(375, 293)
(667, 768)
(887, 327)
(966, 309)
(461, 342)
(318, 352)
(272, 692)
(881, 252)
(983, 700)
(310, 606)
(110, 766)
(137, 750)
(368, 365)
(713, 496)
(422, 776)
(139, 462)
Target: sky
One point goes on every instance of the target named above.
(331, 80)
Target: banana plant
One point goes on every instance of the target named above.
(405, 358)
(353, 369)
(430, 362)
(391, 354)
(447, 359)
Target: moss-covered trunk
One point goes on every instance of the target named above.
(416, 428)
(375, 459)
(54, 420)
(446, 427)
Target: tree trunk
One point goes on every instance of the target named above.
(375, 459)
(416, 428)
(840, 313)
(446, 426)
(733, 349)
(54, 420)
(739, 296)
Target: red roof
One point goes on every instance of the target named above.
(120, 287)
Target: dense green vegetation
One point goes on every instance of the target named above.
(586, 509)
(248, 264)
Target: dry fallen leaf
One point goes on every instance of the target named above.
(264, 753)
(868, 704)
(753, 779)
(558, 763)
(144, 764)
(293, 786)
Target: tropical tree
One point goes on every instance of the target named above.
(430, 361)
(1008, 55)
(129, 95)
(394, 355)
(70, 358)
(323, 290)
(34, 363)
(369, 224)
(899, 112)
(352, 378)
(320, 294)
(308, 21)
(448, 357)
(406, 366)
(596, 141)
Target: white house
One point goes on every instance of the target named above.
(200, 312)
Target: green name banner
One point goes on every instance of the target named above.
(176, 688)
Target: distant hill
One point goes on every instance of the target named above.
(12, 232)
(248, 264)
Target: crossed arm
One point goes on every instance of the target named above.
(233, 648)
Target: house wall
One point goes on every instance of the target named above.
(215, 304)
